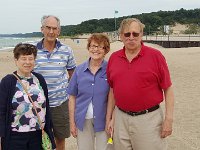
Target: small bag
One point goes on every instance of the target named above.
(46, 142)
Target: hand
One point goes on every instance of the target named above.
(73, 129)
(110, 127)
(166, 128)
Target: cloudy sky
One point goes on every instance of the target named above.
(23, 16)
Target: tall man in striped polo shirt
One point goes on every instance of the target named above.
(54, 61)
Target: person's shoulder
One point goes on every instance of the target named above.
(63, 46)
(38, 75)
(8, 78)
(82, 66)
(38, 43)
(117, 53)
(152, 50)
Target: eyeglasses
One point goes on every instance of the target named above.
(134, 34)
(51, 28)
(98, 47)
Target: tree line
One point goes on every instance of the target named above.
(154, 23)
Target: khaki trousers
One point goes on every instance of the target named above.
(88, 139)
(140, 132)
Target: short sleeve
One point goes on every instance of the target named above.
(165, 80)
(71, 63)
(108, 73)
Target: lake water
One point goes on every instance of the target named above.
(10, 42)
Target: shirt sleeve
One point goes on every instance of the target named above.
(71, 63)
(165, 80)
(3, 100)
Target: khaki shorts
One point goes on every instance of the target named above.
(60, 119)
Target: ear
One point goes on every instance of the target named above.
(15, 60)
(41, 28)
(142, 33)
(59, 32)
(121, 36)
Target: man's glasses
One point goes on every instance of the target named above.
(98, 47)
(51, 28)
(134, 34)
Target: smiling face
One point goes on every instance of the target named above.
(25, 64)
(24, 56)
(96, 51)
(50, 29)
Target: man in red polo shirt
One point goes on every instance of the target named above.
(139, 79)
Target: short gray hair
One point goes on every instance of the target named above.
(126, 23)
(43, 20)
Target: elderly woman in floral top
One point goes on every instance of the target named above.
(19, 125)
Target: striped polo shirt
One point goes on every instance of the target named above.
(53, 66)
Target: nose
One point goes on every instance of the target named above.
(27, 61)
(131, 36)
(96, 47)
(51, 30)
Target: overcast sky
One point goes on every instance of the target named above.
(23, 16)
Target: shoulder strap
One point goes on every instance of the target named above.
(26, 91)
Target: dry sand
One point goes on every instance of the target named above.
(183, 64)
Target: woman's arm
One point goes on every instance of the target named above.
(73, 128)
(110, 111)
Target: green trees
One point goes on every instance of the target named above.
(154, 22)
(193, 29)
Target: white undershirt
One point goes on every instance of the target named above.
(89, 113)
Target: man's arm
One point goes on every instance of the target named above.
(169, 109)
(70, 72)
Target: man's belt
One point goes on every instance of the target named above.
(132, 113)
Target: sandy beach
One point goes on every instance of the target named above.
(185, 73)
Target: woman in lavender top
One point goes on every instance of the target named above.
(88, 90)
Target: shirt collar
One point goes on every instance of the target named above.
(86, 65)
(141, 53)
(41, 46)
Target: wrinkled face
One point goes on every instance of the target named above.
(50, 30)
(132, 36)
(25, 64)
(96, 51)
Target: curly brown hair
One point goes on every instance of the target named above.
(24, 49)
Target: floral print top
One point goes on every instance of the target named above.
(24, 116)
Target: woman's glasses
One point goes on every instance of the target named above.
(134, 34)
(98, 47)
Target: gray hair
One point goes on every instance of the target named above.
(126, 23)
(43, 20)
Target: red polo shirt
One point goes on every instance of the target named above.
(139, 84)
